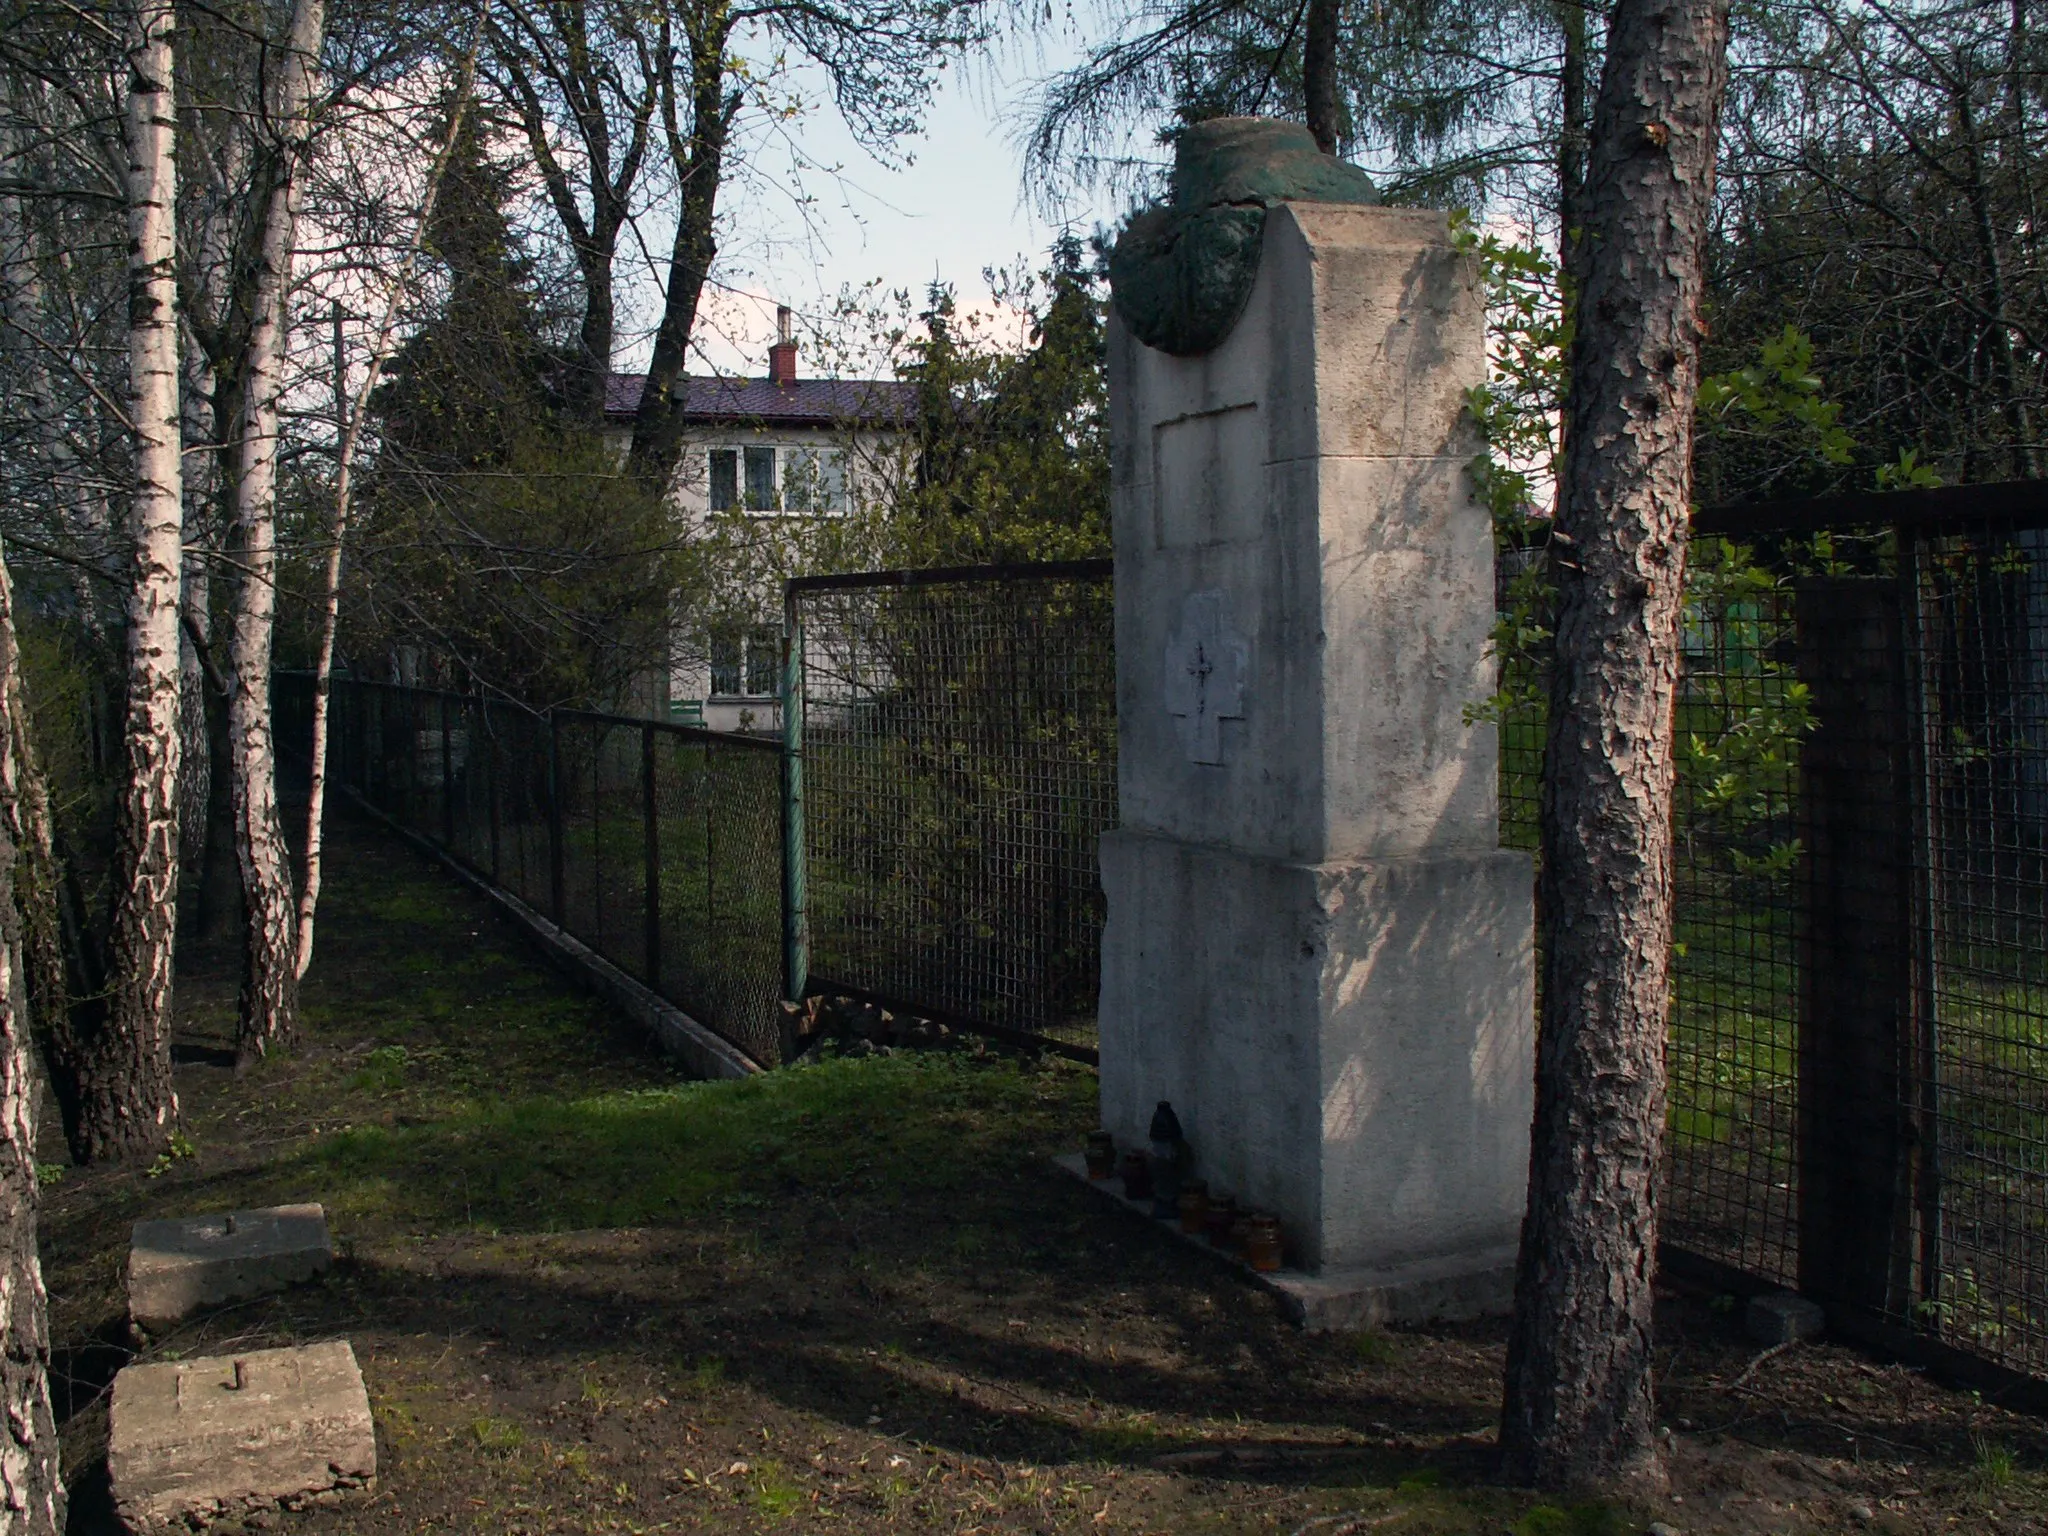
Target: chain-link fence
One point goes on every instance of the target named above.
(958, 736)
(658, 846)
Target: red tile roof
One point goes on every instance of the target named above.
(807, 402)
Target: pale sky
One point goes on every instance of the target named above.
(958, 208)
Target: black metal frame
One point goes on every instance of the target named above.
(611, 832)
(926, 711)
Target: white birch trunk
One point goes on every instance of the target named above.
(269, 965)
(118, 1061)
(31, 1490)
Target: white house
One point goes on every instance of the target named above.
(777, 447)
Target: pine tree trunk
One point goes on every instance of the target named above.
(267, 1017)
(31, 1492)
(1319, 73)
(113, 1059)
(1579, 1408)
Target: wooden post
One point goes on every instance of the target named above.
(555, 828)
(447, 779)
(651, 875)
(1858, 1013)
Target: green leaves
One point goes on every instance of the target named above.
(1778, 396)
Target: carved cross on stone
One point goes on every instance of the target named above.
(1206, 663)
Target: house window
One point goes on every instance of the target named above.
(761, 480)
(747, 663)
(764, 659)
(725, 479)
(813, 481)
(726, 653)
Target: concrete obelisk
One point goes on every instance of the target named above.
(1316, 948)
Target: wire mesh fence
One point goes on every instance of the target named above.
(959, 763)
(1858, 1084)
(1729, 1189)
(658, 846)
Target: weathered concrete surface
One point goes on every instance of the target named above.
(1315, 947)
(1780, 1317)
(1312, 470)
(1465, 1286)
(1347, 1045)
(177, 1267)
(193, 1440)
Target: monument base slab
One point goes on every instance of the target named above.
(1346, 1044)
(193, 1440)
(1447, 1290)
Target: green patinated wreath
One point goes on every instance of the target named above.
(1181, 273)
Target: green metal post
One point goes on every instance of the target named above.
(796, 924)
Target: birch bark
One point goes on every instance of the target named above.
(269, 961)
(1579, 1407)
(31, 1491)
(113, 1059)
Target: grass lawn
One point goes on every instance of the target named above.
(852, 1296)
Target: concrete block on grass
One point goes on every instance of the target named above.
(1779, 1317)
(178, 1267)
(196, 1440)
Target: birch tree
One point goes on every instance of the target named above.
(1579, 1405)
(31, 1490)
(113, 1057)
(265, 1020)
(350, 424)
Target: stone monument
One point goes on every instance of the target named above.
(1316, 949)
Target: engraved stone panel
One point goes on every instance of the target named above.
(1209, 477)
(1206, 663)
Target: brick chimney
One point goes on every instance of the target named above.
(782, 356)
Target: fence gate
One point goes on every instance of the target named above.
(953, 754)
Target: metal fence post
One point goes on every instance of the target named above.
(651, 876)
(1857, 1005)
(555, 893)
(1923, 753)
(796, 928)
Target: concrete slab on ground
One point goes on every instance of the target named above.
(1780, 1317)
(1435, 1291)
(178, 1267)
(193, 1440)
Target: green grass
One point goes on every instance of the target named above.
(638, 1158)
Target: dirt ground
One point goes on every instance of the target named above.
(854, 1296)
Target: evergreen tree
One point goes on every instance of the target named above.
(502, 542)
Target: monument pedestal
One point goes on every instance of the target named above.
(1344, 1043)
(1315, 948)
